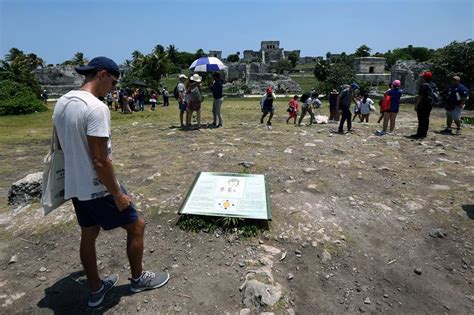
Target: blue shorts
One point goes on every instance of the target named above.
(103, 212)
(183, 107)
(268, 109)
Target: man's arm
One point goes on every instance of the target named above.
(105, 170)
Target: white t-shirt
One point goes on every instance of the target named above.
(365, 107)
(182, 91)
(79, 114)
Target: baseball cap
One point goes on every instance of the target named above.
(427, 75)
(457, 78)
(100, 63)
(354, 86)
(182, 76)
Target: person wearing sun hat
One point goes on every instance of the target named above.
(82, 123)
(194, 99)
(457, 95)
(424, 105)
(180, 94)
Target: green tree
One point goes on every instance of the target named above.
(455, 59)
(148, 68)
(420, 54)
(321, 69)
(283, 65)
(172, 54)
(19, 67)
(233, 58)
(338, 75)
(18, 99)
(79, 59)
(199, 53)
(363, 51)
(293, 58)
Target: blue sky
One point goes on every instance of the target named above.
(55, 29)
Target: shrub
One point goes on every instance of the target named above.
(17, 99)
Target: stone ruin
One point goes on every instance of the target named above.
(270, 52)
(372, 70)
(58, 80)
(257, 77)
(408, 72)
(254, 70)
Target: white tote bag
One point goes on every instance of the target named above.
(53, 177)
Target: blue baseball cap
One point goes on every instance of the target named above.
(354, 86)
(100, 63)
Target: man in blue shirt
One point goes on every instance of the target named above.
(216, 89)
(344, 100)
(457, 95)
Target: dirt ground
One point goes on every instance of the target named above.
(352, 212)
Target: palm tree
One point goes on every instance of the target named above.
(13, 54)
(172, 54)
(79, 59)
(136, 54)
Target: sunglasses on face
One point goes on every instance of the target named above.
(114, 82)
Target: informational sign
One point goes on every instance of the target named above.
(228, 195)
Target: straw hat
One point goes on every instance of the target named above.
(195, 77)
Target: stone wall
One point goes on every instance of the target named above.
(408, 72)
(270, 45)
(235, 71)
(370, 65)
(374, 79)
(58, 80)
(251, 56)
(215, 53)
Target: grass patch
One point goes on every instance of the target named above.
(468, 120)
(244, 227)
(307, 82)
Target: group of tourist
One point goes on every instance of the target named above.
(340, 103)
(133, 100)
(189, 96)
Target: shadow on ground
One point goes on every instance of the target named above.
(69, 296)
(469, 211)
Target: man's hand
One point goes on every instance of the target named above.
(122, 201)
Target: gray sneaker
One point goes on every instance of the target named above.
(148, 281)
(95, 299)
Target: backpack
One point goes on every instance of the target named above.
(433, 94)
(176, 92)
(304, 97)
(195, 95)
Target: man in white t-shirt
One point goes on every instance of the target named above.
(82, 122)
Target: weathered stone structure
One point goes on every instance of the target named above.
(371, 69)
(408, 72)
(256, 77)
(58, 80)
(215, 53)
(269, 52)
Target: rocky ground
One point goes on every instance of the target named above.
(360, 223)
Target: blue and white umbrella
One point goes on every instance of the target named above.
(207, 64)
